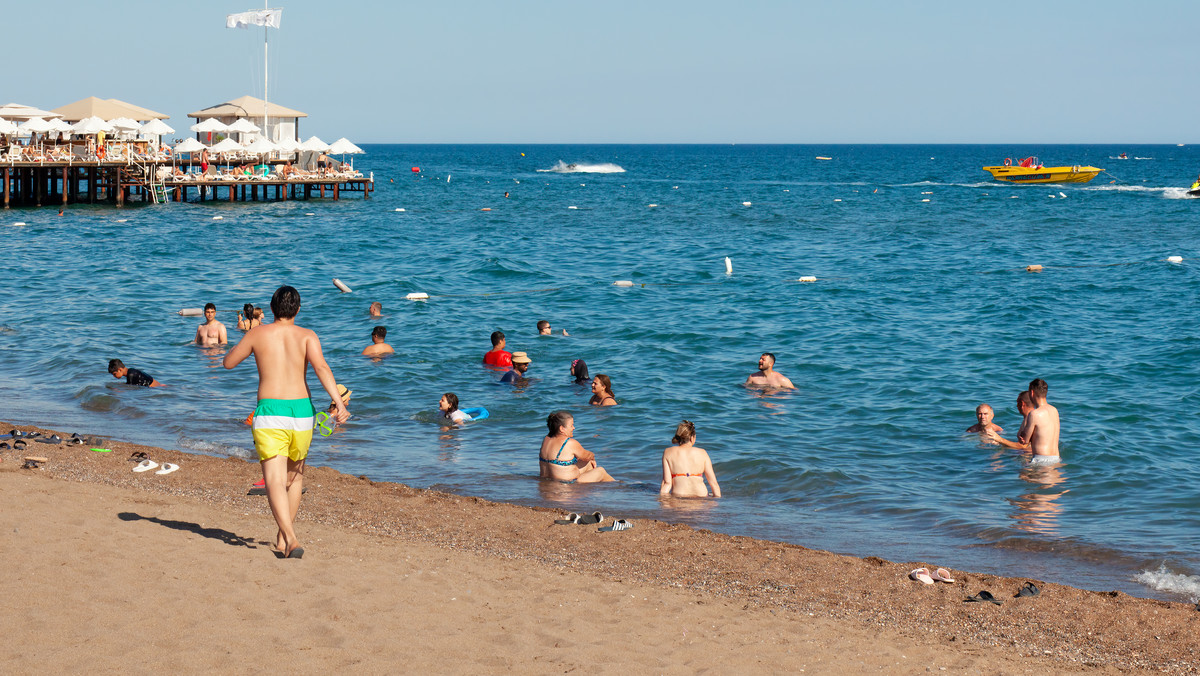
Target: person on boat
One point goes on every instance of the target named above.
(686, 466)
(562, 458)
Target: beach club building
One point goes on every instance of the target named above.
(284, 122)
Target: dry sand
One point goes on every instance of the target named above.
(111, 571)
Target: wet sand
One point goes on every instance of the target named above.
(109, 570)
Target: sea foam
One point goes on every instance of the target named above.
(582, 168)
(1175, 583)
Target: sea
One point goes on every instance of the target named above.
(921, 309)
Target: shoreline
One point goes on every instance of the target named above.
(1061, 629)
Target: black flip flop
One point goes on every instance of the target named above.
(54, 439)
(572, 518)
(982, 596)
(1030, 589)
(138, 456)
(4, 446)
(19, 445)
(594, 517)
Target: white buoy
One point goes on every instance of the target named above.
(807, 279)
(1033, 268)
(417, 295)
(925, 200)
(310, 214)
(338, 283)
(218, 218)
(447, 178)
(399, 209)
(191, 312)
(1174, 259)
(572, 207)
(1062, 194)
(19, 223)
(122, 220)
(649, 205)
(928, 192)
(839, 200)
(728, 266)
(745, 204)
(622, 282)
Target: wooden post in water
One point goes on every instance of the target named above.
(6, 179)
(335, 192)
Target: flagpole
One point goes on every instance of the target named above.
(266, 73)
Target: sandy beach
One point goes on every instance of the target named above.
(110, 570)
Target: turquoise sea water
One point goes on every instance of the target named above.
(922, 310)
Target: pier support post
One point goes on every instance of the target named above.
(335, 192)
(6, 187)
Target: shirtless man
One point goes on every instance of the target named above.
(376, 309)
(378, 348)
(984, 414)
(211, 332)
(283, 420)
(767, 377)
(1039, 430)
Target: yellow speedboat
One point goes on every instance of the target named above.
(1029, 170)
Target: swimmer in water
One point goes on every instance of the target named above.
(378, 348)
(984, 414)
(211, 332)
(376, 309)
(602, 394)
(449, 408)
(767, 377)
(1040, 429)
(561, 458)
(544, 329)
(686, 466)
(579, 372)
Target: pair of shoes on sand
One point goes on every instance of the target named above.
(145, 464)
(595, 517)
(924, 576)
(1028, 589)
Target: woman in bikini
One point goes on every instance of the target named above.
(602, 394)
(685, 467)
(564, 459)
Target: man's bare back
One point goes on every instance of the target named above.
(282, 351)
(1040, 430)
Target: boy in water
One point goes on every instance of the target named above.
(211, 332)
(283, 419)
(131, 376)
(984, 414)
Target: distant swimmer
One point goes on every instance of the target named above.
(249, 317)
(131, 376)
(378, 348)
(544, 329)
(520, 364)
(984, 414)
(579, 372)
(376, 309)
(602, 393)
(767, 377)
(686, 466)
(562, 458)
(1039, 431)
(211, 332)
(497, 356)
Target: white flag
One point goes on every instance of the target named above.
(268, 18)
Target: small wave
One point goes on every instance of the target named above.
(581, 168)
(1175, 583)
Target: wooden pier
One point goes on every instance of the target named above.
(48, 183)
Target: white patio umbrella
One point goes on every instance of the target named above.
(91, 125)
(125, 123)
(226, 145)
(244, 126)
(344, 147)
(211, 124)
(260, 146)
(315, 145)
(16, 111)
(288, 146)
(7, 127)
(34, 125)
(189, 145)
(156, 127)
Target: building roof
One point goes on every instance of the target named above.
(106, 109)
(245, 106)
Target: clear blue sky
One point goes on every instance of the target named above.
(641, 71)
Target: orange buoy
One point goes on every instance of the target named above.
(416, 170)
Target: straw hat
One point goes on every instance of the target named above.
(521, 358)
(345, 393)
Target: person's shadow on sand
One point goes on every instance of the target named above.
(213, 533)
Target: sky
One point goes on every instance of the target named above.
(641, 71)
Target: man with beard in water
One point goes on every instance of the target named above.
(767, 377)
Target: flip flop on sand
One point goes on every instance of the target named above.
(167, 468)
(297, 553)
(619, 524)
(4, 446)
(145, 465)
(941, 575)
(138, 456)
(571, 518)
(594, 517)
(1029, 589)
(921, 575)
(19, 445)
(984, 595)
(53, 439)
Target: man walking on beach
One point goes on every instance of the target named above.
(211, 332)
(283, 420)
(1039, 430)
(767, 377)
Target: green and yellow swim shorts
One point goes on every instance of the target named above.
(283, 426)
